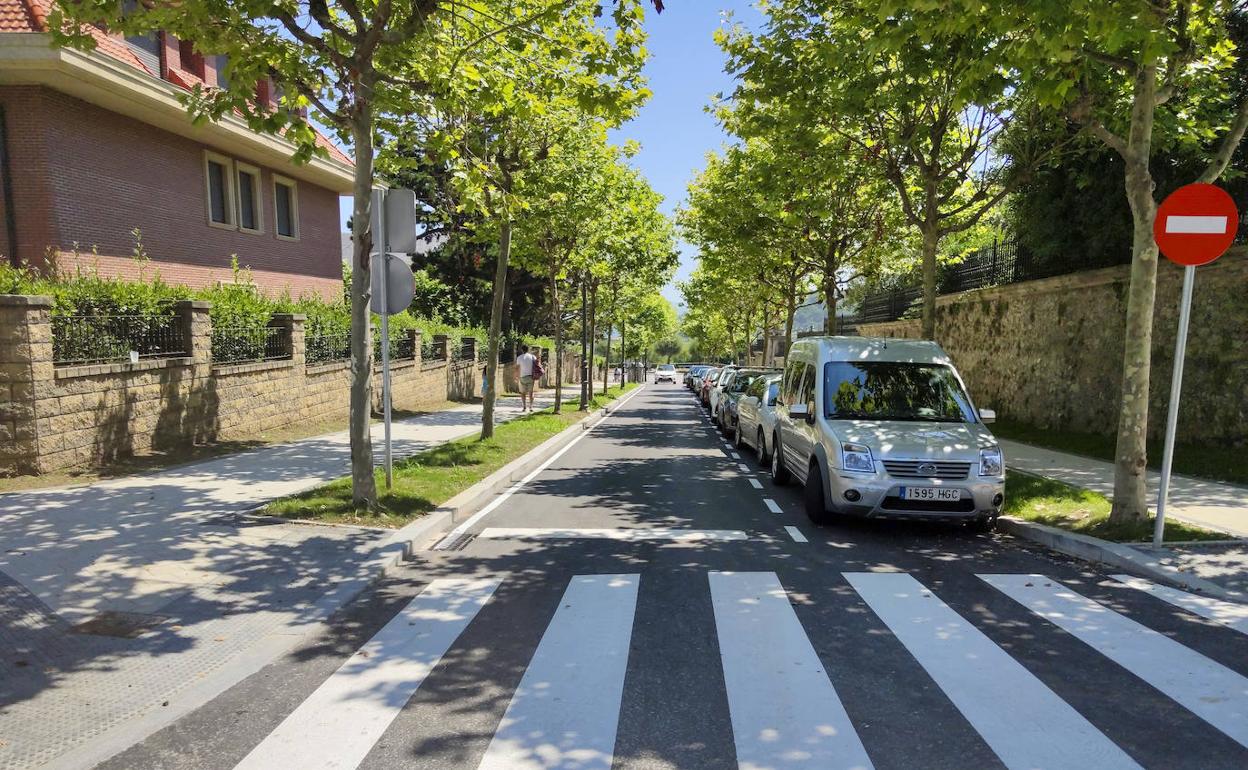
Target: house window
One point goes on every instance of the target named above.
(219, 184)
(285, 208)
(249, 217)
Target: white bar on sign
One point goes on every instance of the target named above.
(785, 712)
(339, 723)
(1208, 689)
(565, 713)
(1017, 715)
(1196, 225)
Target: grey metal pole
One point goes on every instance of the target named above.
(1172, 416)
(385, 343)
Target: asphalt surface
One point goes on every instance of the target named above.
(685, 625)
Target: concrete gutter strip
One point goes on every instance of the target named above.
(1115, 555)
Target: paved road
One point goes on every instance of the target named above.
(639, 605)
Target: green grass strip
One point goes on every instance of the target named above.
(1046, 501)
(428, 479)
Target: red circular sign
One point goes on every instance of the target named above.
(1196, 224)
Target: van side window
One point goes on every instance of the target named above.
(807, 395)
(792, 379)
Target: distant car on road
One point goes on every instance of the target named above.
(665, 373)
(884, 428)
(756, 416)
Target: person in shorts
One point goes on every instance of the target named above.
(525, 364)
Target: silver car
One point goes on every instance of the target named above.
(756, 416)
(717, 389)
(884, 428)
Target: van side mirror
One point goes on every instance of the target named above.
(987, 416)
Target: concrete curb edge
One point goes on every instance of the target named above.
(1115, 555)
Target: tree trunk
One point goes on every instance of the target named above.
(496, 327)
(593, 331)
(931, 240)
(766, 333)
(829, 290)
(363, 482)
(587, 358)
(790, 311)
(606, 369)
(1130, 456)
(557, 317)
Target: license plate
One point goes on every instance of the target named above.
(940, 494)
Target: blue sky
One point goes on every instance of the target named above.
(673, 128)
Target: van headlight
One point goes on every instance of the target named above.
(990, 462)
(856, 458)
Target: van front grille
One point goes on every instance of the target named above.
(927, 469)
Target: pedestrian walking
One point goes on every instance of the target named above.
(526, 364)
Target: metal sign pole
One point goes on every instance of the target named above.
(385, 344)
(1172, 416)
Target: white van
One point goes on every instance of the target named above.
(884, 428)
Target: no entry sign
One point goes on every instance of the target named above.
(1196, 224)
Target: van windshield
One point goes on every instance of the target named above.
(879, 390)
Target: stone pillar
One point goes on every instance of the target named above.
(26, 372)
(196, 323)
(293, 323)
(415, 336)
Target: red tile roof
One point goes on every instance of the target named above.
(32, 16)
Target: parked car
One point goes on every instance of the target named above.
(756, 416)
(884, 428)
(708, 382)
(721, 382)
(665, 373)
(726, 413)
(693, 379)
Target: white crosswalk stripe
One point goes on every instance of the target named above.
(785, 712)
(565, 712)
(1228, 614)
(1208, 689)
(339, 723)
(1017, 715)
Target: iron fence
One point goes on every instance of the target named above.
(99, 339)
(327, 348)
(402, 348)
(429, 350)
(465, 350)
(248, 344)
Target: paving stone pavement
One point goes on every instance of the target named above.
(170, 547)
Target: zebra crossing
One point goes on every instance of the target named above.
(778, 676)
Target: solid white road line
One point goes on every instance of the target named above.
(339, 723)
(796, 534)
(454, 534)
(743, 467)
(755, 483)
(634, 534)
(1228, 614)
(1017, 715)
(566, 710)
(771, 505)
(1210, 690)
(785, 712)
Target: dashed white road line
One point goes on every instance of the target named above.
(734, 455)
(755, 483)
(796, 534)
(772, 506)
(744, 468)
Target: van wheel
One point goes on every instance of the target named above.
(761, 449)
(983, 525)
(779, 474)
(816, 507)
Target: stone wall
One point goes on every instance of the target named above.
(55, 417)
(1049, 352)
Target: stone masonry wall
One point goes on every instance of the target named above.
(57, 417)
(1049, 352)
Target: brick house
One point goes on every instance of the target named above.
(94, 145)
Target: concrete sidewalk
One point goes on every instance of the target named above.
(167, 550)
(1210, 504)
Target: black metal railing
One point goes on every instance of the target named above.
(466, 350)
(430, 350)
(402, 348)
(97, 339)
(249, 344)
(327, 348)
